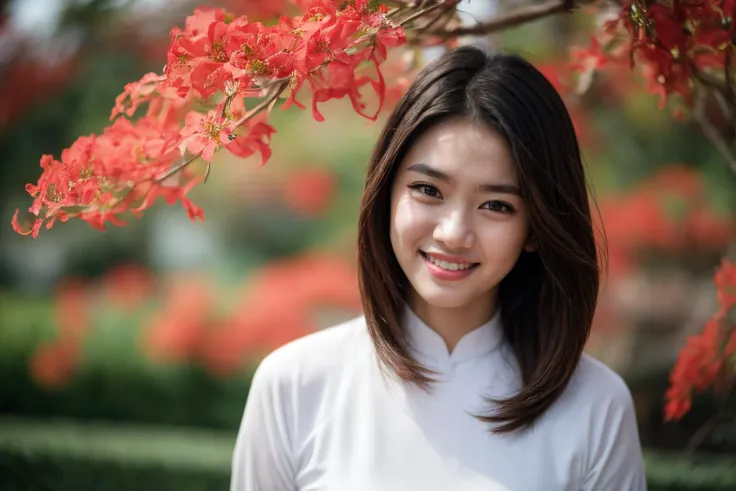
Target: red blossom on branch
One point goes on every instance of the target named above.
(641, 220)
(204, 134)
(215, 61)
(708, 358)
(672, 43)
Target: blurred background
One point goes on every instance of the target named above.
(125, 355)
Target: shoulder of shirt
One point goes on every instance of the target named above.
(597, 383)
(319, 354)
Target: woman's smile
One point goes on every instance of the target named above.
(446, 267)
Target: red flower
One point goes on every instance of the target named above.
(136, 93)
(52, 365)
(128, 285)
(198, 57)
(204, 134)
(585, 62)
(71, 310)
(667, 23)
(172, 194)
(252, 46)
(309, 192)
(176, 332)
(725, 281)
(255, 135)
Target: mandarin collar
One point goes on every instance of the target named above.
(431, 350)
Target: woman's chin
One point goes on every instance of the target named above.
(442, 298)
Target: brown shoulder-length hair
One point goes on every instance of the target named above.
(549, 297)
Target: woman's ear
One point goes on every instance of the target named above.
(531, 243)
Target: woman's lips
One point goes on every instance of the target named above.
(447, 274)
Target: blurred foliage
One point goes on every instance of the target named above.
(63, 455)
(90, 15)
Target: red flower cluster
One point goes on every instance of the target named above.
(309, 192)
(175, 331)
(216, 61)
(53, 364)
(707, 359)
(125, 287)
(669, 41)
(190, 328)
(669, 213)
(283, 301)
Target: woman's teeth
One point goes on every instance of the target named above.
(449, 266)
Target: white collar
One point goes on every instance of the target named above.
(431, 350)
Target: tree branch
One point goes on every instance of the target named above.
(705, 431)
(728, 77)
(711, 132)
(176, 168)
(723, 415)
(273, 94)
(422, 11)
(519, 16)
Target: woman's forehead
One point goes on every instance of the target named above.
(462, 149)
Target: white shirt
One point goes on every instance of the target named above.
(321, 417)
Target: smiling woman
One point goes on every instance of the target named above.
(479, 278)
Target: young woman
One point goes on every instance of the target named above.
(479, 275)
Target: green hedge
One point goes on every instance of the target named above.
(75, 456)
(114, 379)
(697, 472)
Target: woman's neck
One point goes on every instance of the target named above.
(454, 323)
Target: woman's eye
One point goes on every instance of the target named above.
(426, 190)
(498, 206)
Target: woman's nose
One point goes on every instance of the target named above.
(455, 230)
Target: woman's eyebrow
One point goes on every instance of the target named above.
(429, 171)
(500, 188)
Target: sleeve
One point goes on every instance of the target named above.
(616, 462)
(262, 458)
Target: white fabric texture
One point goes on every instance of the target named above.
(320, 416)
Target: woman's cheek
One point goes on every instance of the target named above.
(406, 213)
(404, 222)
(495, 238)
(422, 218)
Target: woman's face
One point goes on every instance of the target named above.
(458, 223)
